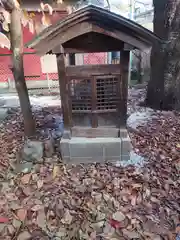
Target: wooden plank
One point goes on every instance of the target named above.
(91, 50)
(81, 28)
(94, 132)
(70, 102)
(64, 92)
(94, 42)
(62, 36)
(96, 111)
(123, 88)
(121, 36)
(94, 119)
(92, 70)
(128, 47)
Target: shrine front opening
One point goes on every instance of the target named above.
(94, 97)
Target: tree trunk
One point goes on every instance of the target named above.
(155, 89)
(172, 68)
(164, 86)
(18, 71)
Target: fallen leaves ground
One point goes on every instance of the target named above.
(96, 201)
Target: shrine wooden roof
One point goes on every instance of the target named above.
(93, 29)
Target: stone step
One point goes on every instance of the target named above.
(89, 150)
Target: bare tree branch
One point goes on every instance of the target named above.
(108, 3)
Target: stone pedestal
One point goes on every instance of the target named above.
(88, 150)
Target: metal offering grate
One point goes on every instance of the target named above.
(106, 88)
(81, 96)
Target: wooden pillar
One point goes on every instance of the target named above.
(64, 93)
(123, 87)
(94, 117)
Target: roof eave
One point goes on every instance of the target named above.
(92, 11)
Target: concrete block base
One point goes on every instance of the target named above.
(88, 150)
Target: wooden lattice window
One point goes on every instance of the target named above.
(106, 88)
(80, 92)
(91, 97)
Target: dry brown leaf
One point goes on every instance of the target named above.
(136, 185)
(108, 230)
(125, 198)
(178, 145)
(41, 219)
(40, 183)
(115, 238)
(106, 197)
(67, 219)
(11, 197)
(21, 214)
(146, 193)
(133, 200)
(61, 232)
(2, 227)
(56, 171)
(155, 228)
(14, 206)
(27, 190)
(155, 200)
(119, 216)
(24, 236)
(131, 234)
(26, 178)
(93, 235)
(16, 223)
(11, 229)
(157, 237)
(100, 216)
(97, 196)
(34, 177)
(37, 208)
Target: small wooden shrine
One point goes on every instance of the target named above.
(94, 97)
